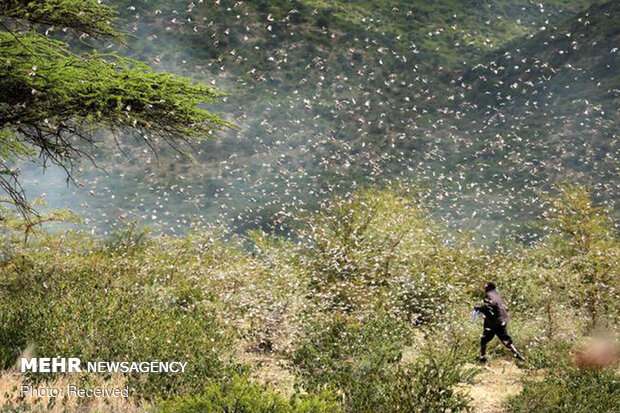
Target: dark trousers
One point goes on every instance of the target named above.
(492, 330)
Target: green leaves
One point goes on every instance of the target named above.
(10, 146)
(567, 389)
(53, 100)
(83, 16)
(210, 297)
(573, 214)
(52, 90)
(240, 394)
(584, 239)
(363, 362)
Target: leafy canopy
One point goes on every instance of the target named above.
(53, 100)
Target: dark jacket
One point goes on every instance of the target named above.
(493, 309)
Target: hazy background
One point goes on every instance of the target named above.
(483, 104)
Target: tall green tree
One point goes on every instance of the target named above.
(54, 99)
(587, 244)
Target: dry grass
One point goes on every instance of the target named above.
(271, 371)
(499, 379)
(11, 399)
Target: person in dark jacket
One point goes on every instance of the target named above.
(495, 321)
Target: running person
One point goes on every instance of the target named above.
(495, 322)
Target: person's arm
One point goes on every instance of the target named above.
(488, 308)
(481, 309)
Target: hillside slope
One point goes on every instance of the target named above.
(333, 95)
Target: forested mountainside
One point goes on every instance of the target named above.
(483, 104)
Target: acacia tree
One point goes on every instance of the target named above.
(53, 100)
(588, 246)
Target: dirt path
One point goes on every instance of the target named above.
(498, 380)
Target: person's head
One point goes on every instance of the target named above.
(489, 286)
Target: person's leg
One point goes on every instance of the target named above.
(502, 334)
(487, 335)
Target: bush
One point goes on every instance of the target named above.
(362, 361)
(549, 354)
(239, 394)
(337, 349)
(377, 249)
(569, 390)
(429, 383)
(361, 244)
(107, 304)
(370, 271)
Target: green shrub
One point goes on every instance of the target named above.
(426, 385)
(362, 244)
(342, 307)
(570, 390)
(239, 394)
(101, 304)
(549, 354)
(338, 348)
(429, 383)
(380, 250)
(362, 361)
